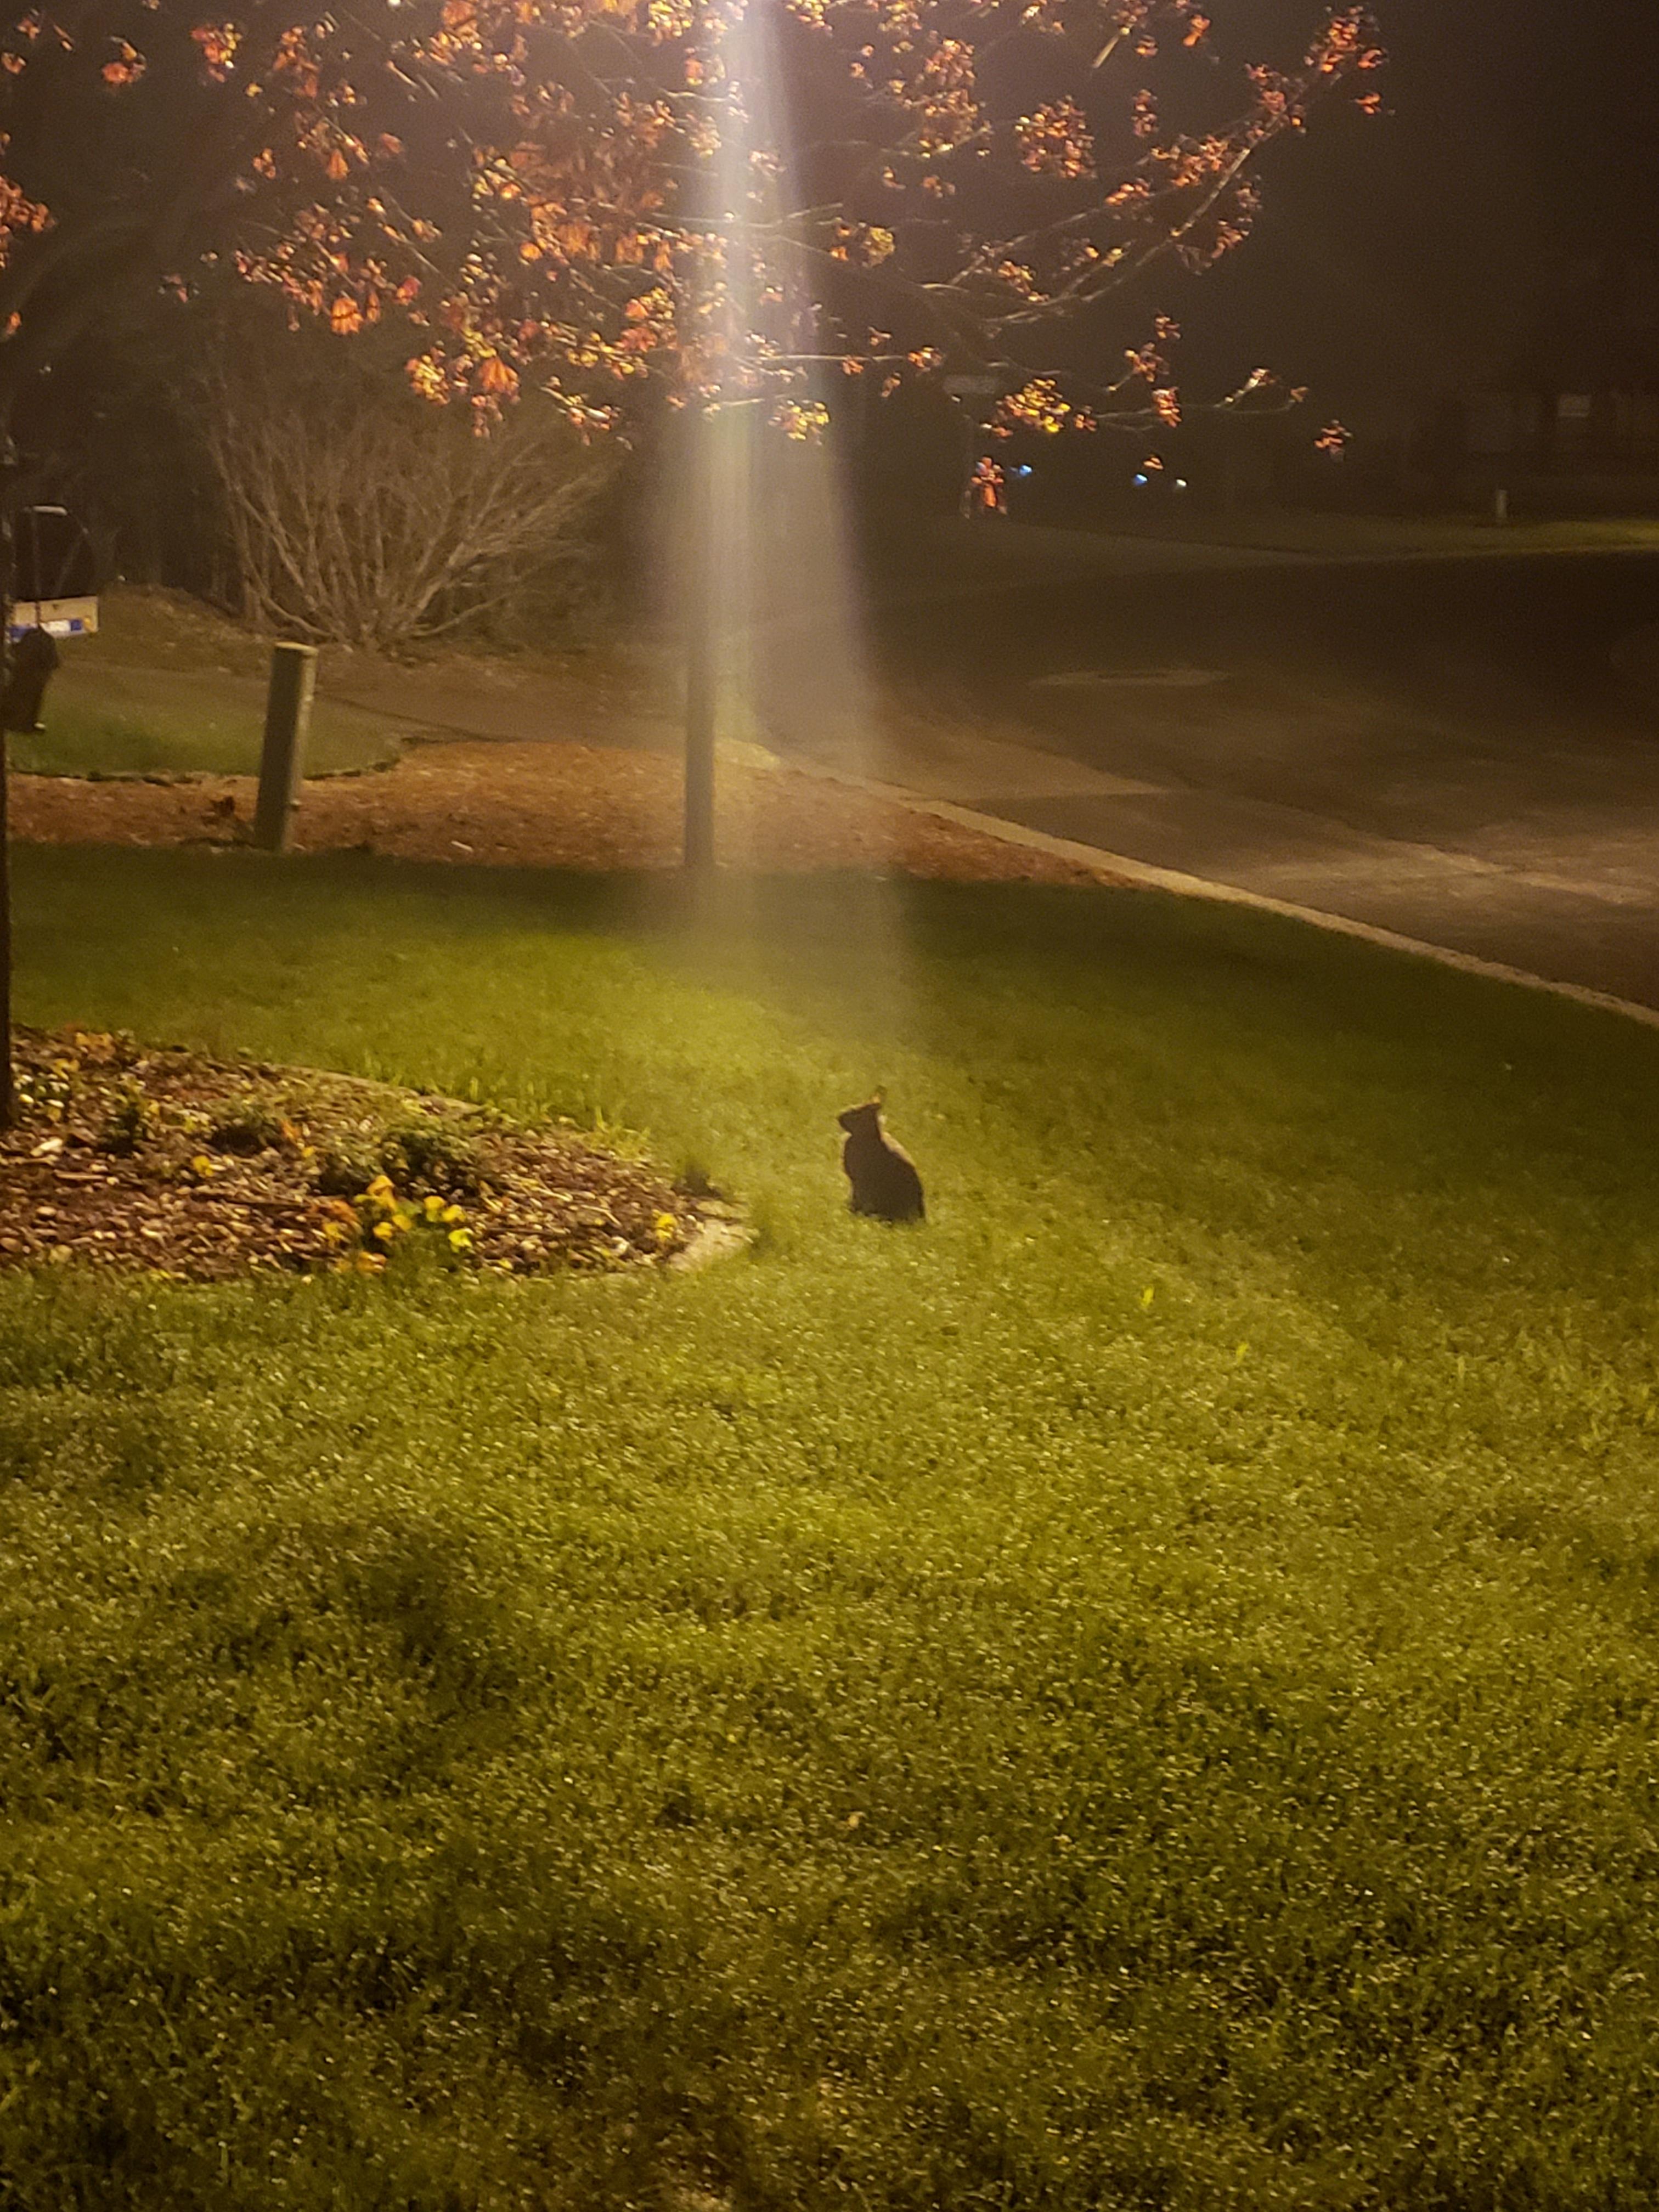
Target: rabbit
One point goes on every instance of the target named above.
(882, 1173)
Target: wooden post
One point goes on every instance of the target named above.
(701, 699)
(282, 762)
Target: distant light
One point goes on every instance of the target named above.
(1180, 483)
(1023, 469)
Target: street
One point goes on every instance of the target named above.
(1438, 748)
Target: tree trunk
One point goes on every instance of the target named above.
(7, 1080)
(8, 1074)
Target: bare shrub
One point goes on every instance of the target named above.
(358, 514)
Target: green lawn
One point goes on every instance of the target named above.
(169, 687)
(143, 626)
(103, 719)
(1139, 1694)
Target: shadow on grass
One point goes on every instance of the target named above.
(106, 913)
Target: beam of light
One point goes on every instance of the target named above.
(767, 552)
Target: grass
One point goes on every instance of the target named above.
(143, 626)
(168, 687)
(1339, 536)
(1140, 1694)
(102, 720)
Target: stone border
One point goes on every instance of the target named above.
(722, 1230)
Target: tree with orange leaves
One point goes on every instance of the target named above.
(693, 198)
(640, 204)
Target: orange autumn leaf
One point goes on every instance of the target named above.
(127, 68)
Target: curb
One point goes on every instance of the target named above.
(1117, 867)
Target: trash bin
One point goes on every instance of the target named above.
(33, 657)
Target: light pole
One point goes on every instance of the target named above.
(701, 603)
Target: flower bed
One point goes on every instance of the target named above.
(202, 1170)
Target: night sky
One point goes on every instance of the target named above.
(1401, 255)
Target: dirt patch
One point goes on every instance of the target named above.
(547, 805)
(204, 1169)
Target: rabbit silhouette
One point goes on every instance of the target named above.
(885, 1184)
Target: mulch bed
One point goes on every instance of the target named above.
(202, 1170)
(546, 805)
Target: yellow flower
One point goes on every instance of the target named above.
(380, 1190)
(460, 1240)
(385, 1232)
(204, 1166)
(454, 1214)
(433, 1208)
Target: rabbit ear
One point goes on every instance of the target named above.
(879, 1095)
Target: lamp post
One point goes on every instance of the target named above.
(701, 604)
